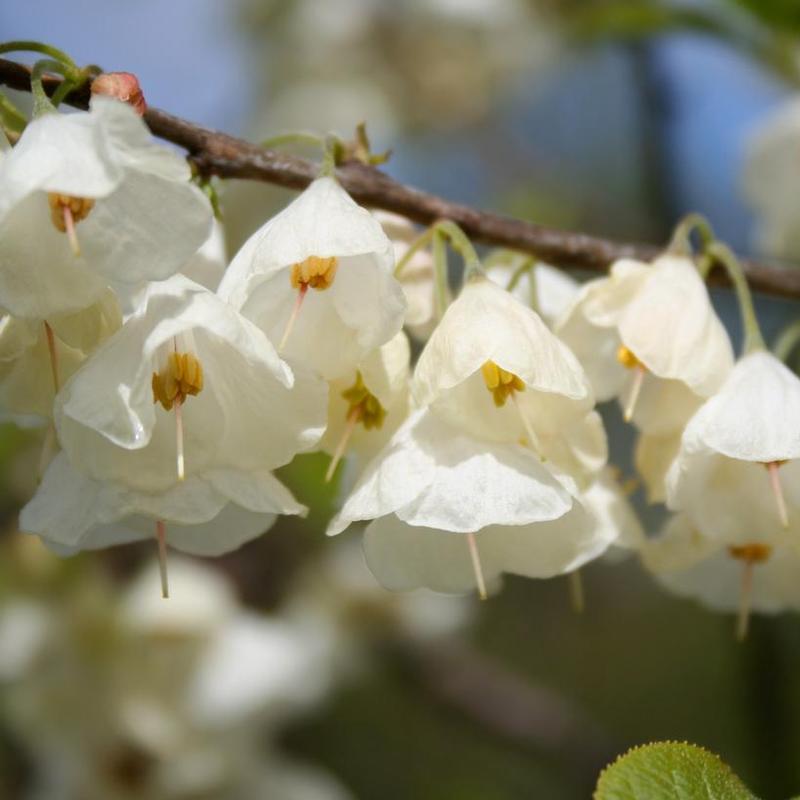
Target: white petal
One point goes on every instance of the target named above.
(754, 416)
(404, 557)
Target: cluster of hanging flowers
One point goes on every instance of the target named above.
(172, 386)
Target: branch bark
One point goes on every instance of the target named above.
(217, 153)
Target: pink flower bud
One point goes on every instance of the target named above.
(122, 85)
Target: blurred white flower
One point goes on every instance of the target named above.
(123, 702)
(318, 279)
(737, 474)
(771, 175)
(87, 199)
(649, 335)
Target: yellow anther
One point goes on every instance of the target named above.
(627, 358)
(78, 208)
(500, 382)
(363, 405)
(753, 553)
(318, 273)
(182, 376)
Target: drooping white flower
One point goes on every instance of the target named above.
(737, 474)
(38, 356)
(416, 277)
(187, 380)
(493, 368)
(437, 480)
(318, 279)
(548, 290)
(366, 407)
(206, 514)
(86, 200)
(648, 335)
(740, 578)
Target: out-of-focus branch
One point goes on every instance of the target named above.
(530, 717)
(216, 153)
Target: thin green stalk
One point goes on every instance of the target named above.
(24, 46)
(787, 340)
(753, 338)
(460, 242)
(526, 266)
(441, 273)
(328, 167)
(681, 241)
(41, 102)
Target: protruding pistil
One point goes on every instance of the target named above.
(750, 555)
(628, 360)
(315, 273)
(777, 490)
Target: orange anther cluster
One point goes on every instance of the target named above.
(318, 273)
(182, 376)
(78, 206)
(754, 553)
(627, 358)
(363, 403)
(501, 383)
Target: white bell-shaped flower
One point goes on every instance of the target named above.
(186, 383)
(367, 406)
(737, 474)
(37, 357)
(87, 199)
(416, 276)
(436, 480)
(318, 279)
(548, 290)
(649, 335)
(493, 368)
(740, 578)
(206, 514)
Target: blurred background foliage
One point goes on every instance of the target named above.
(611, 117)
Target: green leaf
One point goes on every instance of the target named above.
(670, 771)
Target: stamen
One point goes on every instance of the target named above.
(636, 389)
(745, 600)
(476, 565)
(66, 211)
(500, 382)
(777, 490)
(352, 420)
(293, 316)
(161, 538)
(576, 591)
(179, 438)
(51, 349)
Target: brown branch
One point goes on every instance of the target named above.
(217, 153)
